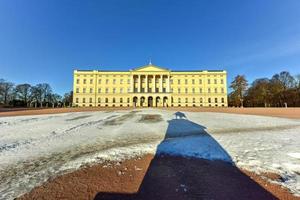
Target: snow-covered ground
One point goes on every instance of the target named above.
(36, 148)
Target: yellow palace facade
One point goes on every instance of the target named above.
(150, 86)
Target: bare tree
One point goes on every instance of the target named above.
(6, 90)
(68, 99)
(259, 92)
(239, 86)
(42, 92)
(23, 92)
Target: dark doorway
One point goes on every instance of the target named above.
(135, 99)
(157, 101)
(150, 101)
(165, 102)
(142, 101)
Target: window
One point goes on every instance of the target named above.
(222, 90)
(171, 81)
(208, 90)
(121, 81)
(178, 90)
(106, 90)
(216, 100)
(128, 90)
(91, 100)
(121, 90)
(216, 90)
(107, 81)
(114, 90)
(128, 100)
(209, 100)
(194, 100)
(91, 81)
(106, 100)
(193, 90)
(128, 81)
(179, 100)
(114, 81)
(200, 81)
(99, 90)
(200, 90)
(178, 81)
(186, 100)
(222, 81)
(186, 90)
(91, 90)
(83, 100)
(201, 100)
(84, 81)
(77, 81)
(114, 100)
(77, 100)
(222, 100)
(99, 100)
(83, 90)
(208, 81)
(193, 81)
(186, 81)
(215, 81)
(121, 100)
(77, 90)
(99, 81)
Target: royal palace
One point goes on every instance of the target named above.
(150, 86)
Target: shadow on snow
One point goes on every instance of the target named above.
(170, 176)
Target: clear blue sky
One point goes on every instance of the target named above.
(44, 41)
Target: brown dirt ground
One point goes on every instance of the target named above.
(293, 113)
(160, 177)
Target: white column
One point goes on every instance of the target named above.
(161, 83)
(132, 84)
(146, 89)
(139, 83)
(168, 84)
(153, 84)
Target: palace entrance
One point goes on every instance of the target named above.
(150, 101)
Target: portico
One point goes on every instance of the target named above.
(150, 87)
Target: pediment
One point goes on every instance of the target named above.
(150, 68)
